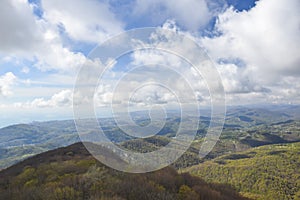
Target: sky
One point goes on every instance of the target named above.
(254, 45)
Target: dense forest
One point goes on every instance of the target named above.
(72, 173)
(267, 172)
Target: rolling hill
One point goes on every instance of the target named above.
(244, 128)
(267, 172)
(72, 173)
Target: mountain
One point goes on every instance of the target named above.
(245, 127)
(252, 116)
(72, 173)
(58, 133)
(257, 154)
(24, 140)
(266, 172)
(36, 133)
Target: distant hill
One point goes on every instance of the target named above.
(245, 127)
(71, 173)
(245, 116)
(20, 141)
(291, 110)
(267, 172)
(51, 133)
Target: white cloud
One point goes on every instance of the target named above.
(6, 82)
(191, 14)
(83, 20)
(151, 95)
(25, 70)
(257, 52)
(152, 76)
(287, 90)
(25, 36)
(19, 30)
(239, 79)
(267, 37)
(58, 58)
(61, 99)
(104, 95)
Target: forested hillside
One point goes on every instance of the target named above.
(267, 172)
(72, 173)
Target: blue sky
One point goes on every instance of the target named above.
(254, 45)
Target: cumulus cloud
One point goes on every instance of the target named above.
(25, 36)
(181, 11)
(40, 40)
(239, 80)
(103, 95)
(152, 95)
(88, 21)
(60, 99)
(6, 82)
(57, 57)
(153, 76)
(267, 37)
(19, 30)
(257, 52)
(286, 90)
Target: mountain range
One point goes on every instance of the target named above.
(256, 157)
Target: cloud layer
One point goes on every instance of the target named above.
(87, 21)
(257, 49)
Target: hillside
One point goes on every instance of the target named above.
(267, 172)
(71, 173)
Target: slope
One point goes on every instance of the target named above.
(267, 172)
(71, 173)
